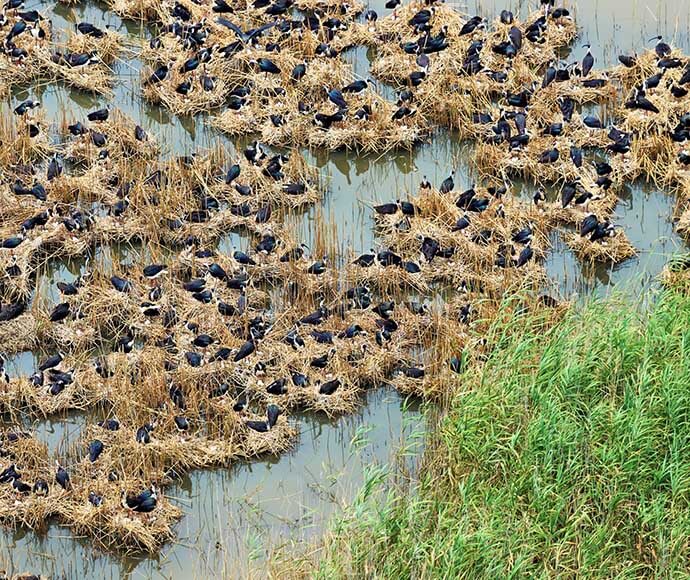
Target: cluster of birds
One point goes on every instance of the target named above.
(143, 502)
(224, 288)
(253, 197)
(23, 23)
(470, 203)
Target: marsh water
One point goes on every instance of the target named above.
(236, 518)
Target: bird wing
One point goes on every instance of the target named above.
(259, 31)
(232, 26)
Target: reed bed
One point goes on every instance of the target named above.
(198, 355)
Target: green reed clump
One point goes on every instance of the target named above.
(568, 455)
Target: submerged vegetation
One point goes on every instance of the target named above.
(566, 455)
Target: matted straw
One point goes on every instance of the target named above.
(614, 249)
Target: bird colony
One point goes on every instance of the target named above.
(190, 357)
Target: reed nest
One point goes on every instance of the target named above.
(108, 47)
(22, 147)
(94, 77)
(613, 250)
(121, 141)
(676, 274)
(30, 47)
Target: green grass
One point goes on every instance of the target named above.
(568, 455)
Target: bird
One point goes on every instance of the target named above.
(336, 97)
(448, 184)
(245, 350)
(68, 288)
(277, 387)
(51, 362)
(365, 260)
(98, 115)
(627, 61)
(321, 362)
(143, 434)
(568, 193)
(357, 86)
(386, 208)
(20, 486)
(95, 499)
(243, 258)
(318, 267)
(385, 309)
(587, 61)
(525, 255)
(154, 271)
(272, 414)
(13, 242)
(54, 168)
(204, 341)
(95, 449)
(267, 66)
(120, 284)
(158, 76)
(412, 372)
(661, 48)
(523, 236)
(329, 387)
(592, 122)
(194, 359)
(60, 312)
(549, 156)
(62, 477)
(89, 29)
(588, 225)
(143, 502)
(602, 231)
(40, 487)
(12, 310)
(26, 106)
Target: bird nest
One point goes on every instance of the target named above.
(613, 250)
(676, 274)
(108, 47)
(121, 142)
(95, 78)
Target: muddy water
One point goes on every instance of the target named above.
(236, 517)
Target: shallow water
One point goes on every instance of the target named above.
(236, 517)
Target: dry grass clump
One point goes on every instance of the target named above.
(94, 75)
(615, 249)
(141, 10)
(108, 47)
(21, 148)
(676, 274)
(20, 334)
(124, 141)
